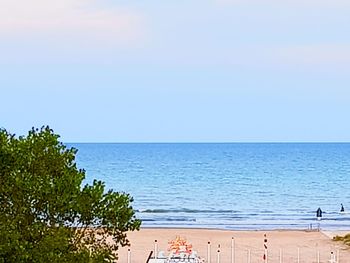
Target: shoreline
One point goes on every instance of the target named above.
(329, 233)
(234, 230)
(321, 229)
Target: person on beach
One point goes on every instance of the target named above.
(319, 214)
(342, 208)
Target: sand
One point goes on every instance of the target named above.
(285, 241)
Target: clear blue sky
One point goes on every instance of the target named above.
(141, 71)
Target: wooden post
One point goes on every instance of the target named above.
(155, 249)
(249, 256)
(218, 255)
(208, 253)
(332, 258)
(298, 256)
(281, 256)
(232, 250)
(265, 249)
(338, 256)
(318, 256)
(129, 256)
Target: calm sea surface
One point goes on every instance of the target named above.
(229, 186)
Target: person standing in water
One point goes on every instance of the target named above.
(319, 214)
(342, 208)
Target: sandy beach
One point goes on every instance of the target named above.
(285, 241)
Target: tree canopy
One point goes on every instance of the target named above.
(46, 214)
(345, 239)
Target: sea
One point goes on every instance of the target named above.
(239, 186)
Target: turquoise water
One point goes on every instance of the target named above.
(229, 186)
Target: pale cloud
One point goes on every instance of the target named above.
(332, 56)
(83, 19)
(304, 57)
(288, 3)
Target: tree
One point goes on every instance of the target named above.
(345, 239)
(46, 215)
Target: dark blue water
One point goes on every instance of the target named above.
(231, 186)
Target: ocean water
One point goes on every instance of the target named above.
(227, 186)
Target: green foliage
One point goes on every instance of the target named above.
(345, 239)
(46, 215)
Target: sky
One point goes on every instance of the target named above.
(177, 71)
